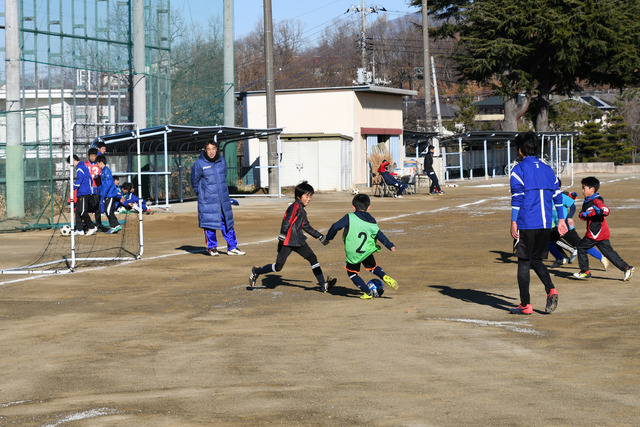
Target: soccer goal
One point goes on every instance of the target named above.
(64, 251)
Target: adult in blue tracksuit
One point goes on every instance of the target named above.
(534, 191)
(209, 181)
(83, 190)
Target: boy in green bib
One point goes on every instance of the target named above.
(360, 235)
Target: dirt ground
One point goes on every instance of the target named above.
(177, 339)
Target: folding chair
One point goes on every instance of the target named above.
(412, 184)
(380, 188)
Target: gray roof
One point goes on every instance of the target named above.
(180, 138)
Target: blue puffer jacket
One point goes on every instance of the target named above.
(209, 181)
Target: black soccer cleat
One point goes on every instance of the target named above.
(253, 277)
(324, 287)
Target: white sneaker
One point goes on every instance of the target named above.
(78, 233)
(574, 255)
(235, 251)
(91, 231)
(628, 273)
(212, 252)
(605, 263)
(398, 197)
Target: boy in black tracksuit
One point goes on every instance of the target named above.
(291, 239)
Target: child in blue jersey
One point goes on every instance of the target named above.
(109, 193)
(132, 202)
(360, 235)
(119, 195)
(83, 190)
(534, 191)
(291, 239)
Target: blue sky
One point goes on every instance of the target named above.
(314, 15)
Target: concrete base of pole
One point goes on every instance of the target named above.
(15, 181)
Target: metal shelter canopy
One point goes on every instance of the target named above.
(480, 137)
(556, 148)
(174, 139)
(179, 138)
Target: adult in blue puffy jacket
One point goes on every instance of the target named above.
(209, 181)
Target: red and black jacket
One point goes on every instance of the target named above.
(293, 223)
(594, 212)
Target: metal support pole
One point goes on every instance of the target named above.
(139, 194)
(486, 164)
(166, 171)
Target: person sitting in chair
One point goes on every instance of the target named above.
(390, 180)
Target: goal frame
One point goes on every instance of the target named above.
(72, 261)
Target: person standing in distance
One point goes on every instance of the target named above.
(428, 169)
(534, 191)
(209, 181)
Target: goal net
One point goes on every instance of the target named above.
(64, 251)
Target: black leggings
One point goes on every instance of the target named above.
(524, 275)
(304, 251)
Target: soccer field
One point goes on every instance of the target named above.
(177, 339)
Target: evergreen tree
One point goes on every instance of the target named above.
(542, 47)
(570, 115)
(465, 116)
(618, 147)
(590, 142)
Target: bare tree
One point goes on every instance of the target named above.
(629, 107)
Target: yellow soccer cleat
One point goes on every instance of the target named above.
(390, 281)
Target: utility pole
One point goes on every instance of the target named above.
(230, 149)
(363, 33)
(427, 80)
(15, 150)
(139, 77)
(272, 141)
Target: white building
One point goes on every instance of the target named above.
(328, 133)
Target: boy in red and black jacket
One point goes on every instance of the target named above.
(291, 239)
(594, 211)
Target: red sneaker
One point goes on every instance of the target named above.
(552, 301)
(526, 309)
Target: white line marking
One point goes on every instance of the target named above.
(511, 326)
(6, 405)
(92, 413)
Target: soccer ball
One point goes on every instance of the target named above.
(65, 230)
(376, 287)
(355, 191)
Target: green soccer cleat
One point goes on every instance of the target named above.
(366, 296)
(583, 275)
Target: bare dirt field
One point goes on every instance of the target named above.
(177, 339)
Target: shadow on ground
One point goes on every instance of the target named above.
(272, 281)
(501, 302)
